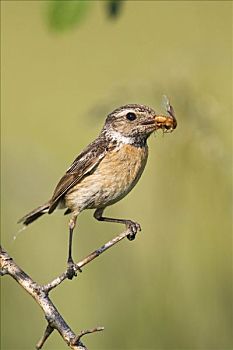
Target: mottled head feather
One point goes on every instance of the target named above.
(136, 107)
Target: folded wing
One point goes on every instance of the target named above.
(82, 166)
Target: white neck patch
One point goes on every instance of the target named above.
(117, 136)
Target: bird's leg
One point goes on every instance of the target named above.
(70, 271)
(133, 226)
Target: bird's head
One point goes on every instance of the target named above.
(136, 122)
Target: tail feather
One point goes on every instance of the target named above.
(34, 214)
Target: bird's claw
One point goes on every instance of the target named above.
(133, 227)
(71, 269)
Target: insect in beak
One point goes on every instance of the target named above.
(166, 123)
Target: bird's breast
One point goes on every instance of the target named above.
(115, 176)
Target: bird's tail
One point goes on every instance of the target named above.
(34, 214)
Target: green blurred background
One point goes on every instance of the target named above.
(172, 287)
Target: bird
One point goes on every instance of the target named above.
(106, 170)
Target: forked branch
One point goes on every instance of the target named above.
(41, 295)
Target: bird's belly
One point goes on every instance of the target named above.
(115, 176)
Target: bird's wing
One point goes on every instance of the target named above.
(84, 164)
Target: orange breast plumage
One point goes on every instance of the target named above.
(112, 180)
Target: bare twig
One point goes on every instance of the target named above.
(87, 331)
(46, 334)
(41, 295)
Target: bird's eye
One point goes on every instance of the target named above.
(131, 116)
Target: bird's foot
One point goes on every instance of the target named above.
(133, 227)
(71, 269)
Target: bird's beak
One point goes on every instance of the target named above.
(165, 122)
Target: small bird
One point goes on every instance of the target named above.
(107, 169)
